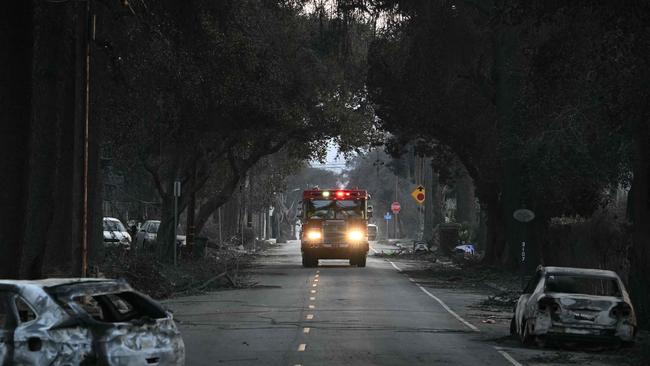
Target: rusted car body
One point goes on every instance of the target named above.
(574, 303)
(84, 322)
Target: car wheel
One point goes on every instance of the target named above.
(308, 261)
(353, 260)
(361, 261)
(525, 336)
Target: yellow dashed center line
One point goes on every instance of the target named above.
(313, 291)
(306, 330)
(312, 298)
(311, 306)
(310, 316)
(302, 347)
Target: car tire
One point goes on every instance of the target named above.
(525, 337)
(353, 260)
(361, 261)
(306, 261)
(309, 261)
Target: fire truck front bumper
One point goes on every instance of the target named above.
(334, 250)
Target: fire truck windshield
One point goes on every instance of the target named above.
(335, 209)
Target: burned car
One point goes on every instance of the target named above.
(574, 303)
(84, 321)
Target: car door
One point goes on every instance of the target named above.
(520, 308)
(29, 335)
(141, 234)
(6, 331)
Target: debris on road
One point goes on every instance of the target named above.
(220, 268)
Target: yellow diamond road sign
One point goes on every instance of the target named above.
(418, 194)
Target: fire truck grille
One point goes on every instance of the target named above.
(334, 232)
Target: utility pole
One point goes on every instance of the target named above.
(177, 193)
(220, 223)
(88, 36)
(396, 214)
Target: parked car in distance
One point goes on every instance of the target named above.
(84, 321)
(115, 234)
(146, 237)
(420, 246)
(372, 232)
(574, 303)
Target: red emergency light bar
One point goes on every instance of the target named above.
(334, 194)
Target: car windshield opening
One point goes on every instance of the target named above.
(110, 225)
(116, 307)
(335, 209)
(153, 227)
(584, 285)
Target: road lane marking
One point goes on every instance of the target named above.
(317, 275)
(374, 250)
(311, 306)
(317, 271)
(314, 285)
(315, 279)
(302, 347)
(507, 356)
(312, 298)
(468, 324)
(313, 291)
(395, 266)
(460, 319)
(306, 330)
(310, 316)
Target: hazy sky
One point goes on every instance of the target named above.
(333, 162)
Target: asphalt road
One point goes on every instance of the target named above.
(331, 315)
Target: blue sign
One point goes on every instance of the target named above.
(388, 216)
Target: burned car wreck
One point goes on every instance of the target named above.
(574, 303)
(84, 322)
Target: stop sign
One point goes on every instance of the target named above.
(395, 207)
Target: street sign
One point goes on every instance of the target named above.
(395, 207)
(419, 194)
(388, 216)
(523, 215)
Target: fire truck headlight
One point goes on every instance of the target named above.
(355, 235)
(313, 235)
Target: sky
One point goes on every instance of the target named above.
(334, 161)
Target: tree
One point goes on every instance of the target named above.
(50, 189)
(240, 81)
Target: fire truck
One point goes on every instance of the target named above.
(334, 225)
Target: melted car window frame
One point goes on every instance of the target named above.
(570, 286)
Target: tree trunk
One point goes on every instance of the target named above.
(507, 87)
(429, 217)
(495, 241)
(165, 240)
(640, 256)
(16, 34)
(465, 201)
(54, 199)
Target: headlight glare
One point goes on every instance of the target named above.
(313, 235)
(355, 235)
